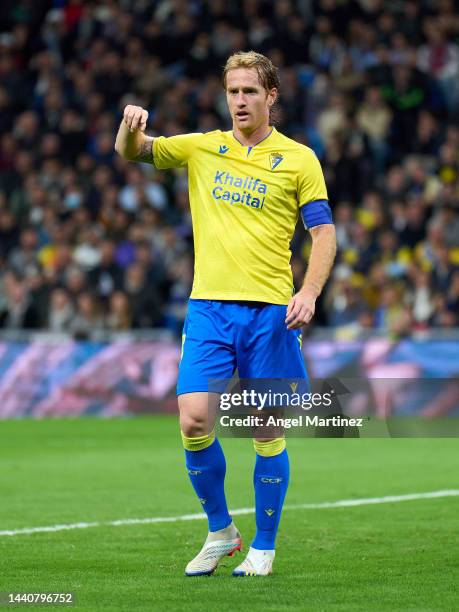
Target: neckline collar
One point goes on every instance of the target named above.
(250, 147)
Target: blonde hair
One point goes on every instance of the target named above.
(267, 72)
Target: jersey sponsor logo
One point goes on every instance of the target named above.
(252, 194)
(194, 472)
(275, 159)
(223, 149)
(268, 480)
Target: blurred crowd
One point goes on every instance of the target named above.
(90, 242)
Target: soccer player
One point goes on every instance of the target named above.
(247, 188)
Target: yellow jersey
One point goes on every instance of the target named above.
(244, 203)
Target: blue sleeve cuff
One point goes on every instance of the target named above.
(315, 213)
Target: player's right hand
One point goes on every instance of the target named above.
(135, 117)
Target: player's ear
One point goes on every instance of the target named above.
(272, 96)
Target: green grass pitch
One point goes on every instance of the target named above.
(392, 556)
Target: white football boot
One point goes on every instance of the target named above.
(257, 563)
(218, 544)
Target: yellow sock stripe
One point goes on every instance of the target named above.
(199, 443)
(270, 448)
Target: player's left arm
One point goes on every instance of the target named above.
(301, 307)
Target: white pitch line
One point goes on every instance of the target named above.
(343, 503)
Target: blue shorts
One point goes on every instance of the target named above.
(220, 336)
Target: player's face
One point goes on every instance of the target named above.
(248, 101)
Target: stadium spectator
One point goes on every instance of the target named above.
(61, 311)
(24, 256)
(144, 302)
(107, 276)
(344, 302)
(75, 280)
(88, 318)
(18, 310)
(119, 314)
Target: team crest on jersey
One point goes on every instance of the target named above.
(275, 159)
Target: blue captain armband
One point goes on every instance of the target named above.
(315, 213)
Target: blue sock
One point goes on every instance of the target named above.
(207, 470)
(270, 479)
